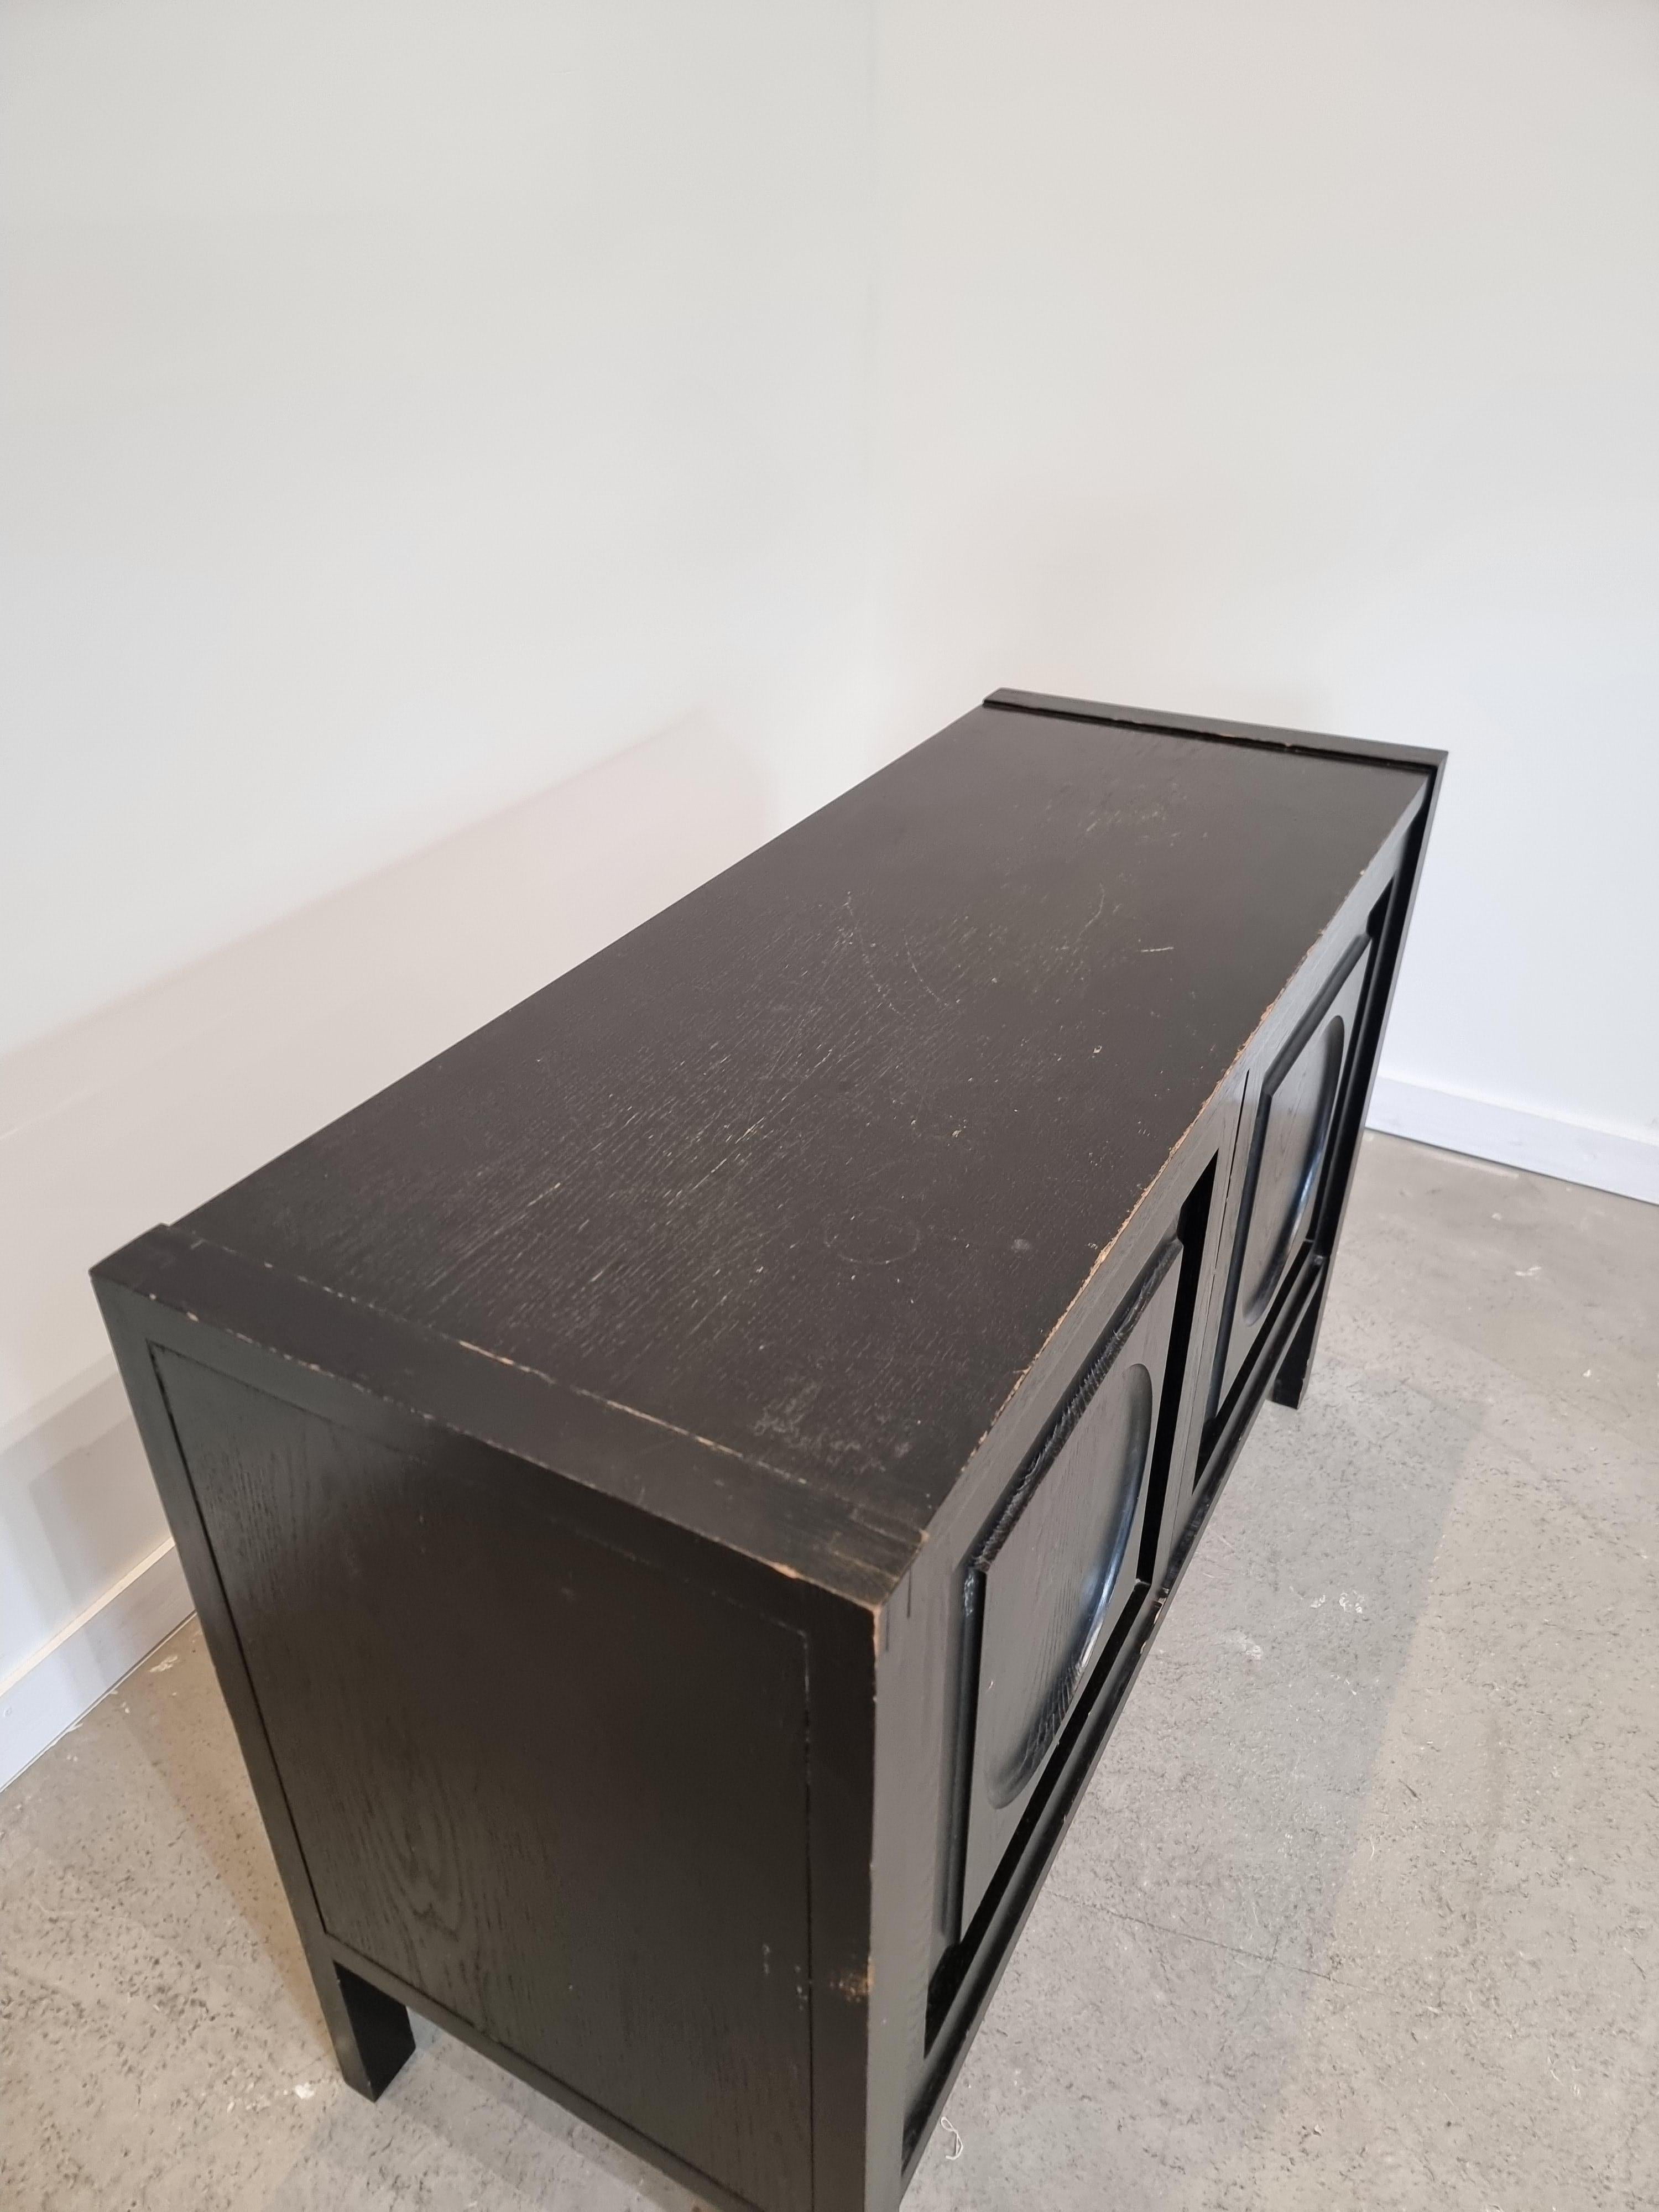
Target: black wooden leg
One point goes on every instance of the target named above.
(371, 2032)
(1290, 1382)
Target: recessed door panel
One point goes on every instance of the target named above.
(1057, 1569)
(1295, 1122)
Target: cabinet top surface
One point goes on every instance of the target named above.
(810, 1165)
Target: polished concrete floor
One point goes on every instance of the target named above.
(1361, 1911)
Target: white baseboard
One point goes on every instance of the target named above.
(1569, 1151)
(55, 1686)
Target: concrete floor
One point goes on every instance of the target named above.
(1361, 1910)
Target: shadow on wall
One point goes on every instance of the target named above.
(142, 1111)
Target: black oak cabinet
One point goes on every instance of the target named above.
(678, 1488)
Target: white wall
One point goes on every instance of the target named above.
(410, 402)
(408, 405)
(1298, 361)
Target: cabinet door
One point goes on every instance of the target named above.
(1296, 1117)
(1057, 1569)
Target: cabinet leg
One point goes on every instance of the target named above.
(1290, 1382)
(371, 2032)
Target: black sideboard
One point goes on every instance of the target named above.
(678, 1488)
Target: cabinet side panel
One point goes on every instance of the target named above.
(558, 1790)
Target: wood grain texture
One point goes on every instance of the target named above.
(561, 1792)
(810, 1166)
